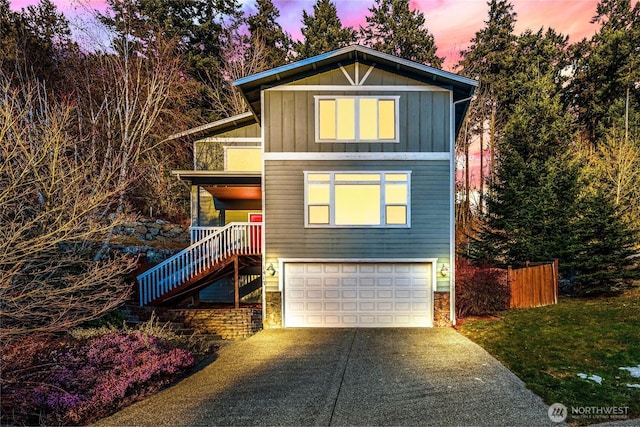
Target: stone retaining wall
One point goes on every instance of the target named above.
(228, 323)
(154, 230)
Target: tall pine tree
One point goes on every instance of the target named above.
(489, 59)
(606, 72)
(530, 201)
(322, 31)
(264, 30)
(197, 25)
(392, 27)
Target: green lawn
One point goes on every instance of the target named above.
(548, 346)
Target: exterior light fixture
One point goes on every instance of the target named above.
(271, 270)
(444, 271)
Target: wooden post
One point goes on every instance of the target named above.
(236, 281)
(510, 285)
(556, 274)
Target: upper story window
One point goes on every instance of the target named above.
(356, 118)
(357, 199)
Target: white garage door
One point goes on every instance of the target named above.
(357, 294)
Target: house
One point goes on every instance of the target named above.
(332, 198)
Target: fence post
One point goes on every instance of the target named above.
(556, 274)
(510, 286)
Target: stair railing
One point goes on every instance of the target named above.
(236, 238)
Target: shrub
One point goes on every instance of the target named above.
(70, 381)
(480, 290)
(193, 343)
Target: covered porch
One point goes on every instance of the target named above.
(219, 198)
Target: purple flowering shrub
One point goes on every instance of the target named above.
(80, 382)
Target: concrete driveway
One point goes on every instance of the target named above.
(345, 377)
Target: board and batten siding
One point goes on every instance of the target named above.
(424, 122)
(287, 237)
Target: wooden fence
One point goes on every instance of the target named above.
(533, 286)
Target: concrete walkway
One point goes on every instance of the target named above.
(345, 377)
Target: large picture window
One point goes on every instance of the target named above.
(357, 199)
(356, 119)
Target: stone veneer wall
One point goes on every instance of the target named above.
(442, 309)
(273, 310)
(228, 323)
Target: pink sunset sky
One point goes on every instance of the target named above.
(452, 22)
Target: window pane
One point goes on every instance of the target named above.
(395, 193)
(327, 118)
(396, 214)
(396, 176)
(368, 118)
(346, 118)
(318, 214)
(357, 204)
(387, 118)
(317, 194)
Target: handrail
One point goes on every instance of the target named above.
(236, 238)
(200, 232)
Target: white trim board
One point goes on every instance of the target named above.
(440, 156)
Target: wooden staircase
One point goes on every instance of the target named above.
(227, 252)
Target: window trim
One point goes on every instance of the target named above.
(356, 139)
(332, 208)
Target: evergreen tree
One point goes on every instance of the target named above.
(489, 59)
(530, 201)
(198, 26)
(322, 31)
(606, 73)
(542, 51)
(35, 43)
(605, 242)
(265, 30)
(394, 28)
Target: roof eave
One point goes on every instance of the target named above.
(238, 119)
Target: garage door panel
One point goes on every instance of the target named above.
(332, 294)
(357, 294)
(350, 294)
(366, 281)
(385, 268)
(386, 294)
(404, 294)
(364, 268)
(384, 306)
(331, 306)
(367, 293)
(364, 306)
(349, 306)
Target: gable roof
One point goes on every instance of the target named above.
(462, 87)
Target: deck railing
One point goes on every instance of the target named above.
(236, 238)
(198, 233)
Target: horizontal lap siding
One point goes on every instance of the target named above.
(286, 236)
